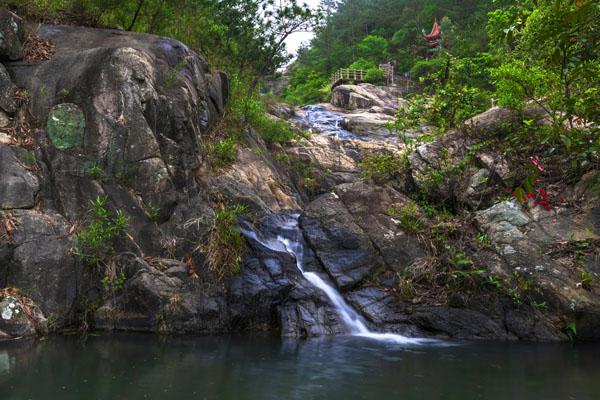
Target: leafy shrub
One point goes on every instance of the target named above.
(95, 244)
(381, 167)
(307, 87)
(374, 75)
(249, 110)
(274, 131)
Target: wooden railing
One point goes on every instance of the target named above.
(345, 74)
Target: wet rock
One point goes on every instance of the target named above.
(12, 36)
(19, 316)
(157, 301)
(368, 205)
(343, 248)
(7, 93)
(19, 185)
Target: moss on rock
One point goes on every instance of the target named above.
(66, 126)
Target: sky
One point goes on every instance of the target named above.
(295, 40)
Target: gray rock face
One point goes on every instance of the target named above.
(19, 185)
(469, 185)
(125, 115)
(12, 36)
(343, 248)
(146, 101)
(41, 263)
(7, 92)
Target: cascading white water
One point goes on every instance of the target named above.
(351, 318)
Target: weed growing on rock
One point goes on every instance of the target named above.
(409, 217)
(95, 244)
(223, 152)
(95, 171)
(226, 244)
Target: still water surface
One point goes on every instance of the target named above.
(150, 367)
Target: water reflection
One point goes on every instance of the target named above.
(148, 367)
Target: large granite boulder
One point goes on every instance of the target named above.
(114, 114)
(365, 96)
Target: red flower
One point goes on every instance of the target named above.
(506, 189)
(530, 196)
(536, 162)
(561, 200)
(543, 203)
(543, 193)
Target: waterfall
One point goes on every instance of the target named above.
(352, 319)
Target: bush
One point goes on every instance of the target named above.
(307, 87)
(374, 75)
(249, 110)
(381, 167)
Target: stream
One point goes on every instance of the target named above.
(289, 241)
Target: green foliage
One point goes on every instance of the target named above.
(520, 289)
(95, 243)
(550, 59)
(95, 171)
(274, 131)
(248, 110)
(114, 283)
(409, 217)
(363, 64)
(240, 36)
(457, 89)
(226, 244)
(381, 167)
(458, 259)
(153, 212)
(380, 30)
(223, 152)
(374, 75)
(306, 87)
(570, 330)
(373, 48)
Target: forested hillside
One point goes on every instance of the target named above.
(482, 43)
